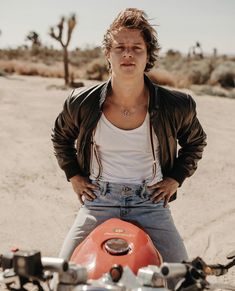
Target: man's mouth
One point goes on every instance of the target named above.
(127, 64)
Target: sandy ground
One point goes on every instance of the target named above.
(37, 204)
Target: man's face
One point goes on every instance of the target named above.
(128, 54)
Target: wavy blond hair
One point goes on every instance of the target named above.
(133, 18)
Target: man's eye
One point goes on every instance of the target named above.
(119, 47)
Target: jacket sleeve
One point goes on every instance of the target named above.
(192, 140)
(64, 135)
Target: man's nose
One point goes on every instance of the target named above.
(127, 53)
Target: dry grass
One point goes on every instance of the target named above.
(213, 91)
(2, 73)
(97, 70)
(224, 74)
(173, 69)
(35, 69)
(162, 77)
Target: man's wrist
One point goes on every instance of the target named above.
(75, 177)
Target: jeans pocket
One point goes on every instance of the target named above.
(101, 191)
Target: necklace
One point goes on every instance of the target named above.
(128, 112)
(125, 111)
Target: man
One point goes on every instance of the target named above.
(125, 162)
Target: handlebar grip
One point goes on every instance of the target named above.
(6, 260)
(216, 270)
(173, 270)
(54, 264)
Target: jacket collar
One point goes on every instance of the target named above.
(153, 94)
(106, 89)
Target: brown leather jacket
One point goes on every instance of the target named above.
(172, 115)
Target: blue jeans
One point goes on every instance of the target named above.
(131, 203)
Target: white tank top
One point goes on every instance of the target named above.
(125, 155)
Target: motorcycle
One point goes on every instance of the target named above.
(116, 242)
(116, 256)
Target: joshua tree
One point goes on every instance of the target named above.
(34, 38)
(71, 22)
(196, 51)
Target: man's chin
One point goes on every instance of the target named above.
(128, 68)
(128, 73)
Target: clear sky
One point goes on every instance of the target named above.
(180, 22)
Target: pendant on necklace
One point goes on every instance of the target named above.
(126, 113)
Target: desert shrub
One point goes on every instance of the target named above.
(187, 71)
(42, 54)
(26, 69)
(2, 73)
(210, 90)
(97, 70)
(12, 54)
(173, 54)
(162, 77)
(170, 59)
(88, 52)
(80, 57)
(231, 94)
(50, 71)
(224, 74)
(198, 72)
(8, 66)
(32, 69)
(178, 65)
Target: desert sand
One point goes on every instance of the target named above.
(38, 205)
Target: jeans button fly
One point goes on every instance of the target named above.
(125, 189)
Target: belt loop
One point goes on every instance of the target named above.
(105, 187)
(143, 190)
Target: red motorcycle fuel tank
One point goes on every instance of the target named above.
(115, 242)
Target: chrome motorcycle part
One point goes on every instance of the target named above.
(117, 246)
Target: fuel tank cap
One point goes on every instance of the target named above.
(117, 246)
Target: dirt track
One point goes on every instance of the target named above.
(38, 205)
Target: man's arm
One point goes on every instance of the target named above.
(64, 135)
(192, 140)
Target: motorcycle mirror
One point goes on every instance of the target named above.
(231, 255)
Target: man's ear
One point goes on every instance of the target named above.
(107, 56)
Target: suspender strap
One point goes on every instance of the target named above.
(153, 150)
(96, 154)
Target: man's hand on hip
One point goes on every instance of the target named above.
(163, 190)
(83, 187)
